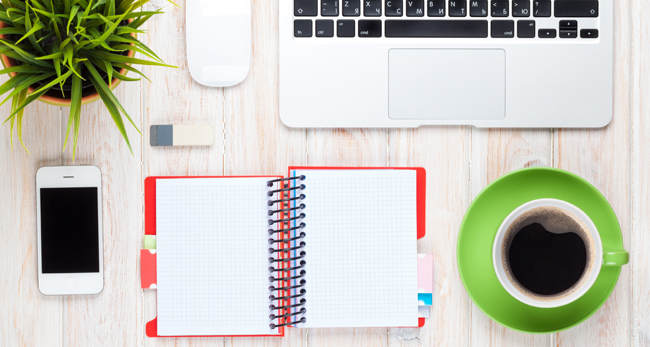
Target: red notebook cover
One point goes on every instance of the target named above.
(150, 221)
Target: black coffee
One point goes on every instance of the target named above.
(546, 263)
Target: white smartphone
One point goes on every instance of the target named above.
(69, 227)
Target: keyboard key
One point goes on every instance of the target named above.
(568, 34)
(457, 8)
(526, 29)
(305, 8)
(436, 28)
(521, 8)
(329, 8)
(547, 33)
(369, 28)
(436, 8)
(478, 8)
(542, 8)
(302, 28)
(324, 28)
(345, 28)
(569, 24)
(576, 8)
(589, 33)
(415, 8)
(351, 8)
(372, 8)
(503, 28)
(568, 29)
(394, 8)
(500, 8)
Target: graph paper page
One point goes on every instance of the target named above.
(361, 246)
(212, 257)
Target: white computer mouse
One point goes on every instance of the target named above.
(219, 41)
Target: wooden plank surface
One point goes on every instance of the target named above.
(495, 152)
(640, 183)
(602, 157)
(251, 140)
(444, 153)
(27, 317)
(92, 320)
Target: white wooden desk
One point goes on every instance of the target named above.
(251, 140)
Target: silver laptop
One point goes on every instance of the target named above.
(406, 63)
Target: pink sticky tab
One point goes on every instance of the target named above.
(148, 269)
(425, 273)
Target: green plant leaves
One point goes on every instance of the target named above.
(59, 44)
(111, 103)
(75, 115)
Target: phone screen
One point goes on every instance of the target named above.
(69, 230)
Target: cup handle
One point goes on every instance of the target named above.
(615, 258)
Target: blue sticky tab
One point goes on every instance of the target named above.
(425, 299)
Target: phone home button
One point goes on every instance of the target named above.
(70, 283)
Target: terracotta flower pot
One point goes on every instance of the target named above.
(54, 97)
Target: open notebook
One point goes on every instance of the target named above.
(324, 247)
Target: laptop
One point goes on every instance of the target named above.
(407, 63)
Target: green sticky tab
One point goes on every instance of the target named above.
(149, 242)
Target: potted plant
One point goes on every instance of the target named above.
(69, 53)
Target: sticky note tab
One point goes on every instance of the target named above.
(148, 269)
(425, 299)
(424, 311)
(425, 273)
(149, 242)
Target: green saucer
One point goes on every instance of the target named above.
(479, 228)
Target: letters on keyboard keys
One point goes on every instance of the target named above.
(324, 28)
(542, 8)
(369, 28)
(394, 8)
(457, 8)
(478, 8)
(351, 8)
(345, 28)
(436, 8)
(500, 8)
(302, 28)
(305, 8)
(436, 28)
(503, 28)
(329, 8)
(372, 8)
(520, 8)
(526, 29)
(576, 8)
(414, 8)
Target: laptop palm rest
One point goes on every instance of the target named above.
(446, 84)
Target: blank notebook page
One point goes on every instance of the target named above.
(361, 244)
(212, 257)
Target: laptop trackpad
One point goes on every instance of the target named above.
(446, 83)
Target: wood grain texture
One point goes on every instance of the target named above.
(175, 98)
(27, 317)
(494, 153)
(640, 184)
(444, 153)
(251, 140)
(92, 320)
(602, 157)
(255, 140)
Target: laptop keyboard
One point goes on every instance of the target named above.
(444, 18)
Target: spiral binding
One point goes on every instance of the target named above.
(284, 239)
